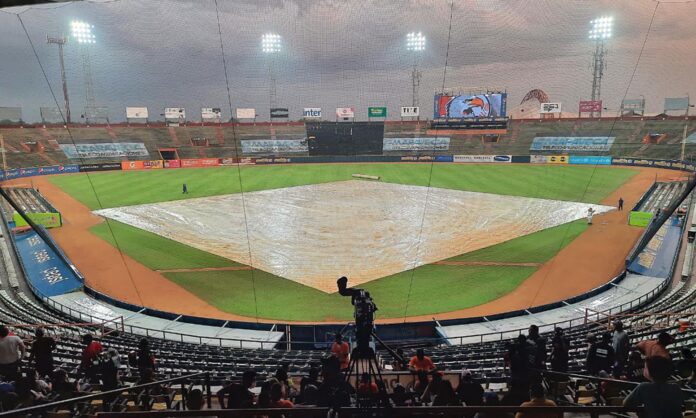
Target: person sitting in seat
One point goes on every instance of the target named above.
(278, 397)
(660, 399)
(421, 363)
(341, 350)
(238, 395)
(538, 398)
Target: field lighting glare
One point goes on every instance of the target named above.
(270, 43)
(415, 41)
(82, 32)
(601, 28)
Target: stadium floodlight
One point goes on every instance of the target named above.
(415, 41)
(82, 32)
(601, 28)
(271, 43)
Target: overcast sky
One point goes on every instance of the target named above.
(343, 53)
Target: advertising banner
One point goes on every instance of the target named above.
(444, 158)
(588, 106)
(100, 167)
(572, 143)
(172, 164)
(311, 113)
(246, 113)
(104, 150)
(136, 113)
(272, 160)
(482, 158)
(51, 115)
(174, 113)
(279, 112)
(632, 106)
(200, 162)
(410, 111)
(538, 159)
(46, 219)
(235, 161)
(345, 112)
(142, 165)
(58, 169)
(637, 218)
(376, 112)
(279, 146)
(211, 113)
(646, 162)
(550, 108)
(556, 159)
(590, 160)
(490, 105)
(416, 144)
(418, 158)
(10, 114)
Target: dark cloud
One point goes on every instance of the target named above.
(167, 53)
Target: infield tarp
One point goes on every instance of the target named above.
(46, 272)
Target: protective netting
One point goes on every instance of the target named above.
(178, 100)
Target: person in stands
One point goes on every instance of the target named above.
(42, 352)
(194, 400)
(687, 364)
(621, 344)
(659, 398)
(367, 386)
(560, 347)
(278, 397)
(538, 398)
(468, 391)
(539, 347)
(421, 363)
(655, 348)
(89, 362)
(238, 395)
(146, 360)
(600, 356)
(341, 350)
(12, 351)
(445, 395)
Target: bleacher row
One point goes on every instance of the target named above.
(27, 199)
(225, 140)
(663, 194)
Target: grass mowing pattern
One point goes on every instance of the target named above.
(433, 289)
(436, 288)
(123, 188)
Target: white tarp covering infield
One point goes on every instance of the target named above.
(364, 230)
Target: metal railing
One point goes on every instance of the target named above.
(31, 410)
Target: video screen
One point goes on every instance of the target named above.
(474, 106)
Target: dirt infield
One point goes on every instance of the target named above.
(589, 261)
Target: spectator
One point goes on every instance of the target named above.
(621, 345)
(42, 352)
(538, 398)
(634, 369)
(238, 395)
(560, 346)
(89, 363)
(110, 376)
(658, 347)
(194, 400)
(341, 350)
(62, 386)
(539, 361)
(687, 364)
(282, 377)
(521, 357)
(400, 397)
(334, 391)
(600, 356)
(399, 365)
(491, 399)
(278, 397)
(445, 395)
(265, 394)
(31, 389)
(421, 363)
(468, 391)
(12, 351)
(660, 399)
(146, 360)
(367, 386)
(422, 383)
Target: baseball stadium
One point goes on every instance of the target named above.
(241, 208)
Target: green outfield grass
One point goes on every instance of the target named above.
(122, 188)
(433, 288)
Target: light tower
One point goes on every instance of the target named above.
(82, 32)
(60, 42)
(415, 42)
(271, 45)
(599, 33)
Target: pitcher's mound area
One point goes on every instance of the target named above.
(364, 230)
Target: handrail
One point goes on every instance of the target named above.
(602, 379)
(396, 411)
(118, 391)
